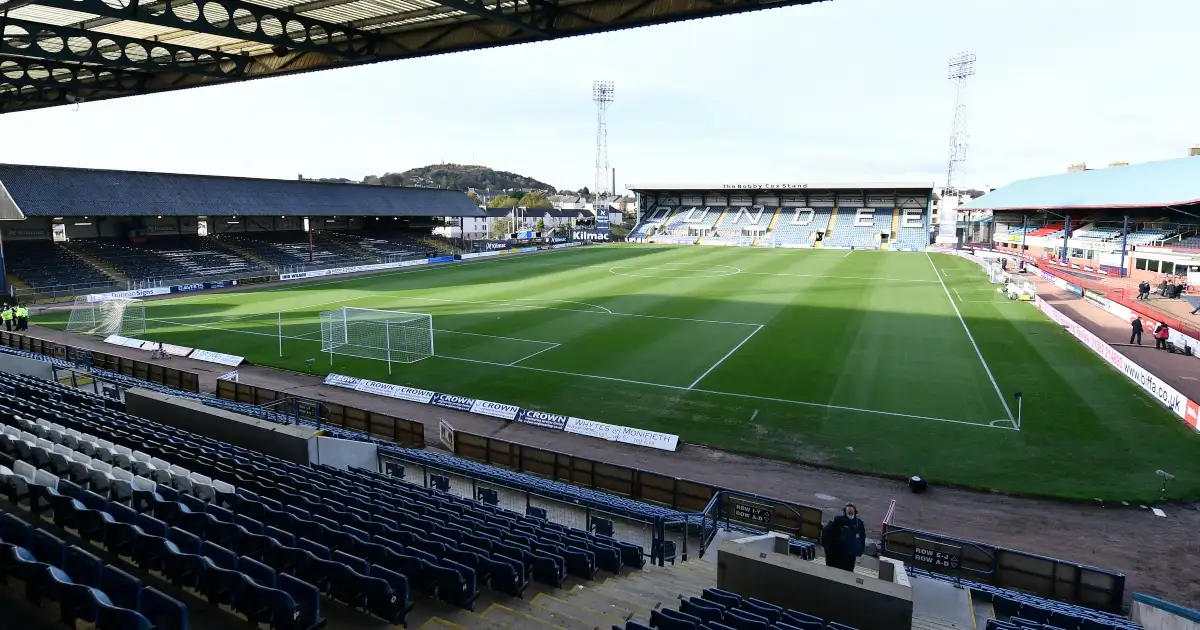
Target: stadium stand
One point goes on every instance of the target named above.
(741, 225)
(40, 264)
(168, 257)
(675, 226)
(846, 233)
(379, 247)
(650, 223)
(912, 237)
(291, 249)
(1148, 236)
(1049, 229)
(797, 227)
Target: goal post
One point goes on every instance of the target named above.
(391, 336)
(95, 315)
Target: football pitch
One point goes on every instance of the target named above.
(886, 362)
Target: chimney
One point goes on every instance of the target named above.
(1194, 151)
(1077, 168)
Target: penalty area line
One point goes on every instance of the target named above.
(714, 392)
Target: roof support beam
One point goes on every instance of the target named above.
(496, 14)
(81, 81)
(64, 43)
(235, 19)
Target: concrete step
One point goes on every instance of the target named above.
(94, 262)
(607, 602)
(983, 611)
(243, 252)
(437, 623)
(474, 621)
(517, 619)
(590, 618)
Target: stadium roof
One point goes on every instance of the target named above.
(733, 187)
(54, 52)
(52, 191)
(1149, 185)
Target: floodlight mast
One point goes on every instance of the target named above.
(602, 95)
(961, 66)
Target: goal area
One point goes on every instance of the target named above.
(391, 336)
(93, 315)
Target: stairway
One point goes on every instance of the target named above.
(15, 282)
(345, 244)
(94, 262)
(832, 222)
(580, 605)
(940, 605)
(244, 253)
(770, 227)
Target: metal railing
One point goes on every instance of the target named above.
(714, 515)
(920, 559)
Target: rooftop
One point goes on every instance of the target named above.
(767, 187)
(54, 191)
(1148, 185)
(54, 52)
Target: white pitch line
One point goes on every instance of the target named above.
(727, 355)
(973, 344)
(306, 336)
(535, 354)
(959, 296)
(720, 393)
(848, 254)
(634, 382)
(814, 275)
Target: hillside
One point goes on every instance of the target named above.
(460, 177)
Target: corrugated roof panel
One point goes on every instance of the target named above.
(1148, 185)
(57, 191)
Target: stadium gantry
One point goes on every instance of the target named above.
(55, 52)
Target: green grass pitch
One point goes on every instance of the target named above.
(857, 360)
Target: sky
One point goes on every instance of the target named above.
(841, 91)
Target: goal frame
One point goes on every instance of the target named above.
(336, 332)
(103, 316)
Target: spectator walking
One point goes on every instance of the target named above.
(844, 539)
(1161, 332)
(1144, 290)
(1136, 335)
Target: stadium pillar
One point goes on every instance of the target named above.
(3, 271)
(1024, 229)
(1124, 234)
(1066, 239)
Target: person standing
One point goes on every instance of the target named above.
(1160, 336)
(7, 316)
(1136, 335)
(844, 539)
(22, 317)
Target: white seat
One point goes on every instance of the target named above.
(143, 468)
(44, 478)
(123, 460)
(223, 487)
(123, 450)
(88, 437)
(24, 469)
(58, 427)
(105, 443)
(59, 464)
(44, 443)
(79, 473)
(70, 441)
(117, 473)
(181, 483)
(140, 456)
(54, 435)
(80, 457)
(179, 470)
(105, 455)
(121, 489)
(87, 447)
(101, 466)
(204, 492)
(42, 423)
(23, 423)
(99, 480)
(62, 450)
(161, 475)
(29, 437)
(142, 483)
(13, 431)
(160, 463)
(38, 430)
(198, 478)
(73, 433)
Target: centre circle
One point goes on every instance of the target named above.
(675, 270)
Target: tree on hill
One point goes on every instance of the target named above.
(535, 199)
(462, 177)
(503, 201)
(473, 197)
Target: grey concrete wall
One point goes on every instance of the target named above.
(1156, 614)
(856, 600)
(11, 364)
(285, 442)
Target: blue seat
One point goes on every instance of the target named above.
(838, 626)
(15, 531)
(116, 618)
(803, 620)
(254, 545)
(741, 620)
(284, 537)
(122, 513)
(767, 610)
(220, 585)
(702, 612)
(265, 604)
(394, 604)
(83, 567)
(220, 513)
(224, 534)
(262, 574)
(724, 598)
(151, 525)
(123, 589)
(120, 538)
(48, 548)
(185, 541)
(150, 552)
(662, 620)
(307, 598)
(77, 602)
(315, 548)
(322, 573)
(456, 584)
(163, 611)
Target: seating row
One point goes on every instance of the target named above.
(717, 609)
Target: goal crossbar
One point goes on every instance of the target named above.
(391, 336)
(96, 315)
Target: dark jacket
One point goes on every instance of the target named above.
(844, 536)
(1137, 325)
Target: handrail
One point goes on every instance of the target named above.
(718, 502)
(883, 540)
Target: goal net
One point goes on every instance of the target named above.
(392, 336)
(996, 273)
(107, 316)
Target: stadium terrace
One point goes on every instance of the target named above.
(881, 216)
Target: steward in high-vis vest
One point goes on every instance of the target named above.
(7, 316)
(22, 318)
